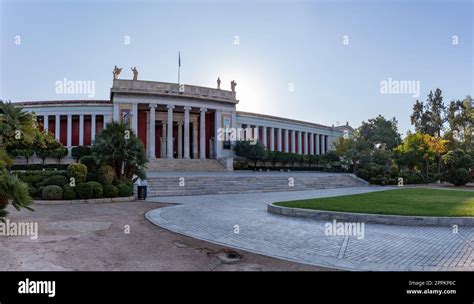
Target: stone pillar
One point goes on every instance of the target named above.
(104, 121)
(186, 132)
(300, 143)
(81, 129)
(202, 134)
(287, 142)
(293, 141)
(306, 142)
(57, 127)
(151, 132)
(264, 137)
(323, 143)
(163, 140)
(217, 141)
(169, 135)
(45, 123)
(69, 132)
(116, 112)
(317, 144)
(279, 144)
(180, 139)
(195, 141)
(311, 143)
(272, 139)
(93, 127)
(135, 118)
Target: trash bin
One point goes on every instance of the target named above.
(142, 192)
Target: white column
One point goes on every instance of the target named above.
(186, 132)
(169, 135)
(57, 127)
(293, 141)
(81, 129)
(317, 144)
(116, 112)
(323, 143)
(93, 129)
(69, 132)
(264, 136)
(234, 126)
(279, 144)
(287, 142)
(311, 143)
(163, 140)
(45, 123)
(135, 118)
(180, 139)
(202, 134)
(306, 142)
(300, 143)
(195, 141)
(151, 132)
(217, 125)
(272, 139)
(104, 121)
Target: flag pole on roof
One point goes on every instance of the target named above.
(179, 66)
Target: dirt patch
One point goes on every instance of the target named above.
(117, 236)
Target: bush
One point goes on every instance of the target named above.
(78, 172)
(84, 191)
(68, 192)
(90, 162)
(106, 175)
(59, 153)
(110, 190)
(32, 191)
(57, 180)
(124, 190)
(52, 192)
(97, 189)
(80, 151)
(91, 177)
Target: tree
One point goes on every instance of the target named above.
(460, 117)
(380, 131)
(45, 145)
(119, 147)
(250, 151)
(15, 124)
(458, 164)
(429, 117)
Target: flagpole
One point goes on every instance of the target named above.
(179, 65)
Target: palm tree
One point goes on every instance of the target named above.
(15, 123)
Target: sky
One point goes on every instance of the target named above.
(327, 62)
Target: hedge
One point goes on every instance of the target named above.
(97, 189)
(78, 172)
(124, 190)
(52, 192)
(90, 162)
(39, 167)
(110, 190)
(68, 192)
(84, 191)
(57, 180)
(80, 151)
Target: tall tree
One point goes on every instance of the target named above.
(380, 131)
(429, 117)
(460, 116)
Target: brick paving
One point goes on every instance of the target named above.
(216, 218)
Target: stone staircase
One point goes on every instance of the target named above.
(185, 165)
(172, 185)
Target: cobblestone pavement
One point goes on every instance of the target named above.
(241, 221)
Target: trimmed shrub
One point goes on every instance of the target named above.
(68, 192)
(110, 190)
(77, 171)
(80, 151)
(91, 177)
(106, 175)
(124, 190)
(57, 180)
(97, 189)
(52, 192)
(32, 191)
(90, 162)
(84, 191)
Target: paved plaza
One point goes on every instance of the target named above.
(241, 221)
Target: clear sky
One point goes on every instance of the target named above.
(334, 54)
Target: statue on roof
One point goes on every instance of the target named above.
(218, 83)
(135, 73)
(233, 84)
(116, 72)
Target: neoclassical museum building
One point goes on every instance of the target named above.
(176, 121)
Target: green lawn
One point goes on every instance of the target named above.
(411, 201)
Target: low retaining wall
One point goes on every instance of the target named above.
(86, 201)
(401, 220)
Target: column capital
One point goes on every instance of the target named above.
(203, 110)
(152, 106)
(187, 108)
(170, 107)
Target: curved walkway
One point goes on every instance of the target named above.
(241, 221)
